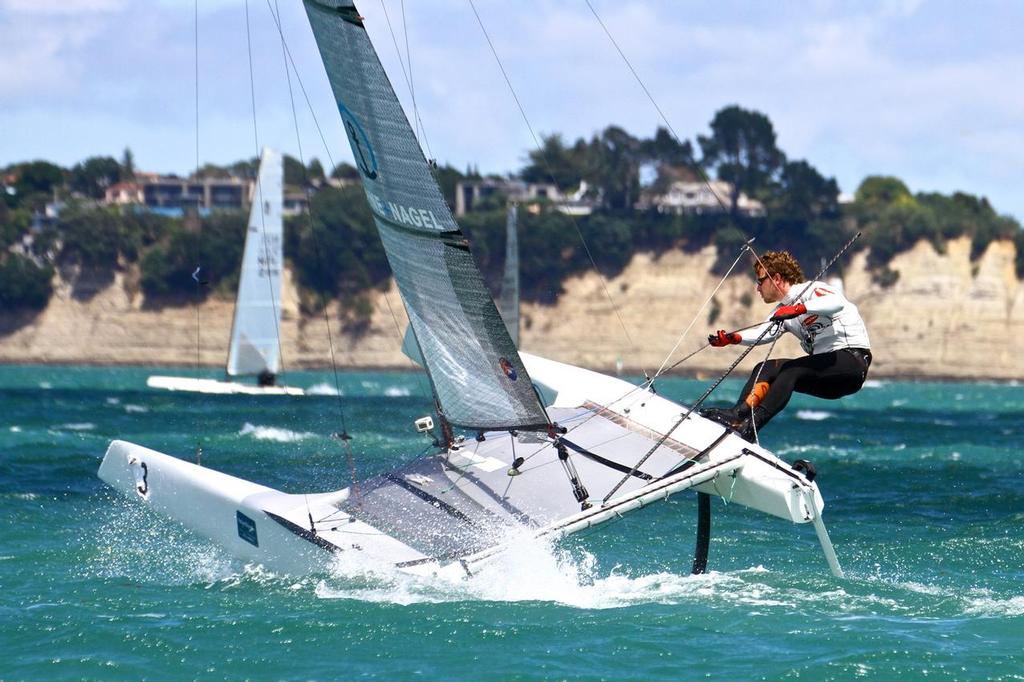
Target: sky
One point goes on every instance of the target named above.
(927, 91)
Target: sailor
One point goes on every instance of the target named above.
(830, 330)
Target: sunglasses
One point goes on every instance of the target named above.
(760, 280)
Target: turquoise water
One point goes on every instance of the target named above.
(924, 501)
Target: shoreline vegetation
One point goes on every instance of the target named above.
(63, 243)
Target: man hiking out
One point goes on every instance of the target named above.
(830, 330)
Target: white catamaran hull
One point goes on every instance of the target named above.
(218, 387)
(299, 533)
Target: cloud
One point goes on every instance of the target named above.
(920, 90)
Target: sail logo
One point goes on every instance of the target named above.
(508, 369)
(365, 159)
(407, 215)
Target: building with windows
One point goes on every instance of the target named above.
(714, 196)
(172, 195)
(471, 194)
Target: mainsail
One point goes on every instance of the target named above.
(255, 348)
(478, 377)
(508, 303)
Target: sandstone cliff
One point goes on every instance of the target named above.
(946, 317)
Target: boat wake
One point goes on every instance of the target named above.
(133, 542)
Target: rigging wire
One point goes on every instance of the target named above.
(536, 142)
(696, 167)
(407, 75)
(327, 150)
(744, 249)
(420, 128)
(343, 435)
(693, 163)
(199, 237)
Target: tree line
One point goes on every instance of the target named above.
(336, 254)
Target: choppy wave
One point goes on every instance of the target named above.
(274, 433)
(78, 426)
(813, 415)
(323, 388)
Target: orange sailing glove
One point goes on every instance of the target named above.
(785, 312)
(723, 338)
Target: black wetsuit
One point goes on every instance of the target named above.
(829, 375)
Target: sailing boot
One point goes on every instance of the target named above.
(756, 420)
(726, 416)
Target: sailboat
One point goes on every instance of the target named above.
(255, 348)
(524, 445)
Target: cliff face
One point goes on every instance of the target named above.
(945, 317)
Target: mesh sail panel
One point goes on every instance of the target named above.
(254, 334)
(477, 375)
(509, 301)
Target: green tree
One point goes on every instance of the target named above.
(36, 182)
(805, 193)
(554, 162)
(216, 248)
(23, 284)
(345, 171)
(878, 191)
(315, 171)
(128, 164)
(743, 151)
(295, 173)
(336, 251)
(615, 158)
(93, 176)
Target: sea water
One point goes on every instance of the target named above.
(924, 492)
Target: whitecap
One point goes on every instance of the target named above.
(273, 433)
(15, 429)
(78, 426)
(323, 388)
(874, 383)
(113, 401)
(136, 409)
(45, 385)
(988, 606)
(813, 415)
(397, 392)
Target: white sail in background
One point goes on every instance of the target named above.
(255, 346)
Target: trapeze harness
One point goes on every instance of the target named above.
(832, 333)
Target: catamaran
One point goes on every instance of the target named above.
(255, 348)
(523, 444)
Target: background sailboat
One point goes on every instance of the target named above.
(558, 449)
(255, 347)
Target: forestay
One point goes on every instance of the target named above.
(477, 375)
(255, 348)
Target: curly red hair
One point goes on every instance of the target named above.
(780, 263)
